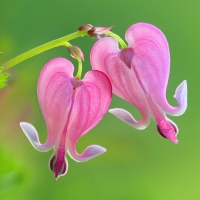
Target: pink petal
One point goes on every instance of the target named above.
(91, 102)
(124, 82)
(140, 63)
(152, 61)
(32, 135)
(108, 58)
(164, 127)
(54, 95)
(100, 50)
(151, 57)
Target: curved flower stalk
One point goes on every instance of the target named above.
(139, 75)
(71, 108)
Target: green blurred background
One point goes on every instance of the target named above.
(138, 165)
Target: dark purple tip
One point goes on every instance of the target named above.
(58, 167)
(160, 132)
(52, 163)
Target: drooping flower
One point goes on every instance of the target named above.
(71, 108)
(139, 74)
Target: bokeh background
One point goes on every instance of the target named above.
(138, 165)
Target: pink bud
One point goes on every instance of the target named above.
(99, 30)
(75, 52)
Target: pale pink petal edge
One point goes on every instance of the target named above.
(32, 134)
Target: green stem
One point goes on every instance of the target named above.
(121, 42)
(50, 45)
(78, 75)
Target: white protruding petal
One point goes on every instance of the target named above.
(89, 153)
(181, 97)
(32, 135)
(126, 117)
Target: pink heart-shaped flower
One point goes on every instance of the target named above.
(70, 108)
(139, 75)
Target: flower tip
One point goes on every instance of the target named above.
(56, 176)
(175, 141)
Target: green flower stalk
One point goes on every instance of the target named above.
(50, 45)
(74, 51)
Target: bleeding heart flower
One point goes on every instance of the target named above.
(70, 108)
(139, 75)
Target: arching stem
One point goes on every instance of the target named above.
(50, 45)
